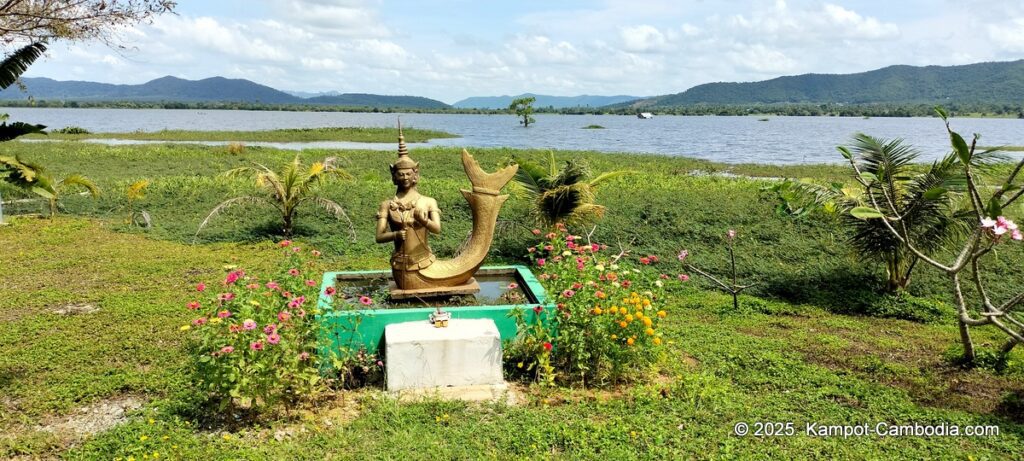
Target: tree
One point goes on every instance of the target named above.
(36, 21)
(523, 108)
(294, 185)
(989, 229)
(563, 195)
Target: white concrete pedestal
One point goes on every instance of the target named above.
(421, 357)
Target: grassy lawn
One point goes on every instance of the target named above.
(353, 134)
(797, 350)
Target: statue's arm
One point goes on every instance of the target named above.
(383, 235)
(433, 221)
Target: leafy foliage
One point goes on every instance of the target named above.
(563, 195)
(17, 63)
(294, 185)
(523, 108)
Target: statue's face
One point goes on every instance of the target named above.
(405, 177)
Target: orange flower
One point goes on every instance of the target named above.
(597, 311)
(623, 324)
(662, 314)
(647, 321)
(629, 317)
(630, 341)
(657, 341)
(649, 331)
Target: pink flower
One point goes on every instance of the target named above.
(224, 314)
(626, 283)
(599, 294)
(547, 346)
(199, 321)
(293, 272)
(550, 235)
(653, 258)
(304, 356)
(548, 248)
(568, 293)
(577, 285)
(684, 278)
(541, 262)
(296, 249)
(284, 243)
(234, 328)
(645, 260)
(330, 291)
(233, 277)
(365, 300)
(570, 238)
(1016, 235)
(273, 338)
(272, 285)
(201, 287)
(594, 247)
(531, 249)
(310, 283)
(538, 309)
(226, 296)
(316, 254)
(536, 231)
(570, 245)
(731, 234)
(252, 286)
(194, 305)
(256, 345)
(513, 286)
(249, 324)
(284, 316)
(301, 313)
(663, 276)
(227, 350)
(269, 329)
(682, 255)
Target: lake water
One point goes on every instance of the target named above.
(780, 140)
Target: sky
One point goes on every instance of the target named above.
(453, 49)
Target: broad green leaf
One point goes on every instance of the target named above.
(868, 177)
(863, 212)
(942, 112)
(962, 151)
(846, 152)
(935, 193)
(994, 207)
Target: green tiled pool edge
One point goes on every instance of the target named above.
(364, 328)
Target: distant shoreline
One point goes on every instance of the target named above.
(779, 110)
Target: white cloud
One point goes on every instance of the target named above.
(539, 49)
(1009, 36)
(643, 39)
(761, 59)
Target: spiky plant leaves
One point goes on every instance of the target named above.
(17, 63)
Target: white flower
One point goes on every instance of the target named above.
(659, 284)
(599, 267)
(999, 230)
(988, 222)
(566, 253)
(614, 267)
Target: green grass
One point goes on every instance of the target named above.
(791, 354)
(352, 134)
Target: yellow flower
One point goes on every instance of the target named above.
(623, 324)
(630, 341)
(614, 337)
(614, 310)
(639, 315)
(629, 317)
(156, 455)
(597, 311)
(519, 365)
(226, 436)
(647, 321)
(131, 458)
(143, 438)
(647, 302)
(166, 437)
(216, 320)
(662, 314)
(599, 267)
(657, 341)
(228, 267)
(254, 302)
(185, 328)
(152, 421)
(649, 331)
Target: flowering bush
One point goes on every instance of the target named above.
(606, 325)
(255, 338)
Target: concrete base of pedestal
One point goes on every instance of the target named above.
(420, 356)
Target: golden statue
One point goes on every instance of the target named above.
(408, 218)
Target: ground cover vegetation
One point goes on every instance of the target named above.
(799, 345)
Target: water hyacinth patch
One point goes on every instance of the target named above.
(255, 344)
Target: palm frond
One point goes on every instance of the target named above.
(608, 176)
(223, 206)
(17, 63)
(16, 129)
(80, 181)
(337, 210)
(137, 189)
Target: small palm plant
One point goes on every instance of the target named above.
(563, 195)
(294, 185)
(67, 182)
(134, 192)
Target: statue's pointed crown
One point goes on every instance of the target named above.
(404, 161)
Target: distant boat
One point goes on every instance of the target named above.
(645, 115)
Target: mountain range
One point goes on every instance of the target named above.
(987, 82)
(995, 83)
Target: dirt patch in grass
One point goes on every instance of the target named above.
(94, 418)
(75, 309)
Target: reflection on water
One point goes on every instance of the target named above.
(495, 290)
(780, 140)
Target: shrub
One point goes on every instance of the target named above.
(907, 307)
(236, 148)
(254, 339)
(72, 130)
(606, 324)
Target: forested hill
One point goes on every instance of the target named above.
(215, 89)
(555, 102)
(988, 83)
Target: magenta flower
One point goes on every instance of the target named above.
(194, 305)
(310, 283)
(227, 350)
(256, 345)
(233, 277)
(273, 338)
(249, 324)
(568, 293)
(684, 278)
(270, 329)
(284, 316)
(570, 245)
(570, 237)
(293, 272)
(365, 300)
(538, 309)
(226, 297)
(541, 262)
(224, 314)
(682, 255)
(272, 285)
(330, 291)
(594, 247)
(199, 321)
(201, 287)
